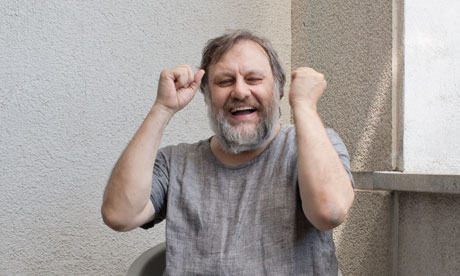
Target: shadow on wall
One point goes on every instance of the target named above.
(351, 43)
(360, 110)
(367, 148)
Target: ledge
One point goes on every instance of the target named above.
(408, 182)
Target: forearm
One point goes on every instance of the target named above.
(325, 187)
(126, 202)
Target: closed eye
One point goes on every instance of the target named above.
(225, 82)
(254, 80)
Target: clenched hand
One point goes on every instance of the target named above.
(177, 87)
(307, 86)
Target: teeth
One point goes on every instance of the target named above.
(241, 109)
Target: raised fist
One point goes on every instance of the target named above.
(307, 86)
(177, 87)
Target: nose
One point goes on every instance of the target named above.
(240, 89)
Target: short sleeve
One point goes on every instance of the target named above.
(158, 195)
(341, 150)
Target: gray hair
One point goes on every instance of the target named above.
(217, 47)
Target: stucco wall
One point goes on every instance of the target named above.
(432, 95)
(76, 80)
(429, 223)
(363, 241)
(429, 231)
(351, 43)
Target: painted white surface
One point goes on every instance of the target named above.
(76, 80)
(432, 87)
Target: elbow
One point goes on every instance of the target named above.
(112, 220)
(330, 216)
(328, 221)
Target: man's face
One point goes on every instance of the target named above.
(243, 105)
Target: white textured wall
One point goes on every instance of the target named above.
(76, 80)
(432, 86)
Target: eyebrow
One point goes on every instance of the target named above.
(223, 74)
(255, 72)
(229, 74)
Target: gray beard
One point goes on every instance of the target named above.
(236, 139)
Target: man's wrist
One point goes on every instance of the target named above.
(303, 108)
(160, 115)
(162, 110)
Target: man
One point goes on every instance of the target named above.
(257, 198)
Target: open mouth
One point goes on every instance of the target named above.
(245, 110)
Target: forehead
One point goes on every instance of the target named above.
(244, 56)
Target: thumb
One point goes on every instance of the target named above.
(197, 79)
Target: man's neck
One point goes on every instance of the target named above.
(235, 159)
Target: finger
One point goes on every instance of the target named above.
(197, 79)
(187, 70)
(181, 77)
(190, 74)
(297, 73)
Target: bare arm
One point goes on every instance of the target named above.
(325, 187)
(126, 203)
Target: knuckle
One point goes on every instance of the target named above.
(300, 70)
(184, 68)
(164, 73)
(305, 69)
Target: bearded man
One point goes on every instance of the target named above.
(258, 197)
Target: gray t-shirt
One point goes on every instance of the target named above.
(243, 220)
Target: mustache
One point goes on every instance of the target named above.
(232, 103)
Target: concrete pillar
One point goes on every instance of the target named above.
(351, 43)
